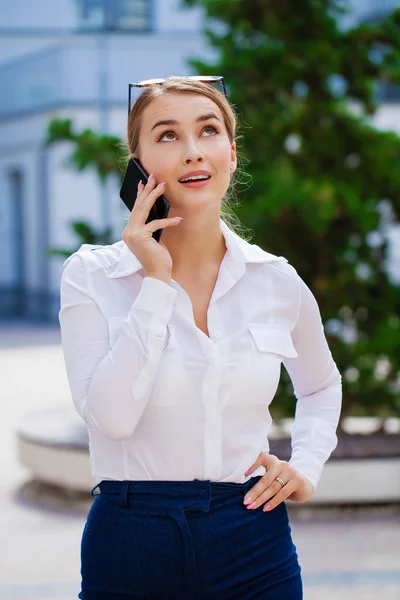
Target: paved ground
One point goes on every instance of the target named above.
(345, 555)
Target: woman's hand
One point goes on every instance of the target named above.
(138, 235)
(296, 488)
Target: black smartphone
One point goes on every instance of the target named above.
(128, 193)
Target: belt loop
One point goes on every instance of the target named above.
(96, 486)
(124, 493)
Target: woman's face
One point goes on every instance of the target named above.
(180, 135)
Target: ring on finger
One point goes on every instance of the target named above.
(279, 480)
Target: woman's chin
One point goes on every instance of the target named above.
(191, 201)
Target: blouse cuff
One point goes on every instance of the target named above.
(156, 297)
(308, 466)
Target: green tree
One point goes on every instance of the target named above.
(103, 153)
(325, 182)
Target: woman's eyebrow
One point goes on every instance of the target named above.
(173, 122)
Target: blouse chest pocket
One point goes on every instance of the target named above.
(255, 378)
(273, 340)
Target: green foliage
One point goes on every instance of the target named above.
(105, 153)
(85, 234)
(325, 182)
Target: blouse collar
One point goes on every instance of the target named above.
(239, 252)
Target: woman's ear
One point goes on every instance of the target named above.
(233, 158)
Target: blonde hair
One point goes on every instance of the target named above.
(176, 84)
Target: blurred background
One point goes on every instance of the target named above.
(316, 85)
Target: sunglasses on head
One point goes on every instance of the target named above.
(215, 80)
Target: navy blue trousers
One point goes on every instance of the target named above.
(186, 540)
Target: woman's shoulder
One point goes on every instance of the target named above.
(94, 256)
(285, 267)
(280, 264)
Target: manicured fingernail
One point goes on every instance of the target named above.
(248, 500)
(161, 184)
(139, 185)
(267, 507)
(151, 177)
(252, 505)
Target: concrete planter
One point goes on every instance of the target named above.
(364, 468)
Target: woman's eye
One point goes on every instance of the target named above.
(211, 128)
(163, 135)
(169, 136)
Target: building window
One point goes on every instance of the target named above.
(13, 302)
(115, 15)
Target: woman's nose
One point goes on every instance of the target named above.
(189, 160)
(193, 154)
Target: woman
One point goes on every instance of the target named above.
(173, 354)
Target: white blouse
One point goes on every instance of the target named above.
(163, 401)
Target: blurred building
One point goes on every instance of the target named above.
(74, 58)
(70, 58)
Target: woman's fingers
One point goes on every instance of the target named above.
(145, 200)
(138, 234)
(265, 459)
(143, 192)
(273, 466)
(275, 488)
(162, 223)
(296, 487)
(267, 484)
(148, 195)
(140, 188)
(282, 495)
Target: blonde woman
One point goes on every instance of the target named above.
(173, 352)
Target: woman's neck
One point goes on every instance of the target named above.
(195, 244)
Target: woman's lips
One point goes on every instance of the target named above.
(196, 184)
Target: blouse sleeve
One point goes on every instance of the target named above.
(111, 386)
(317, 387)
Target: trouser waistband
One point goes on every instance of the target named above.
(180, 495)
